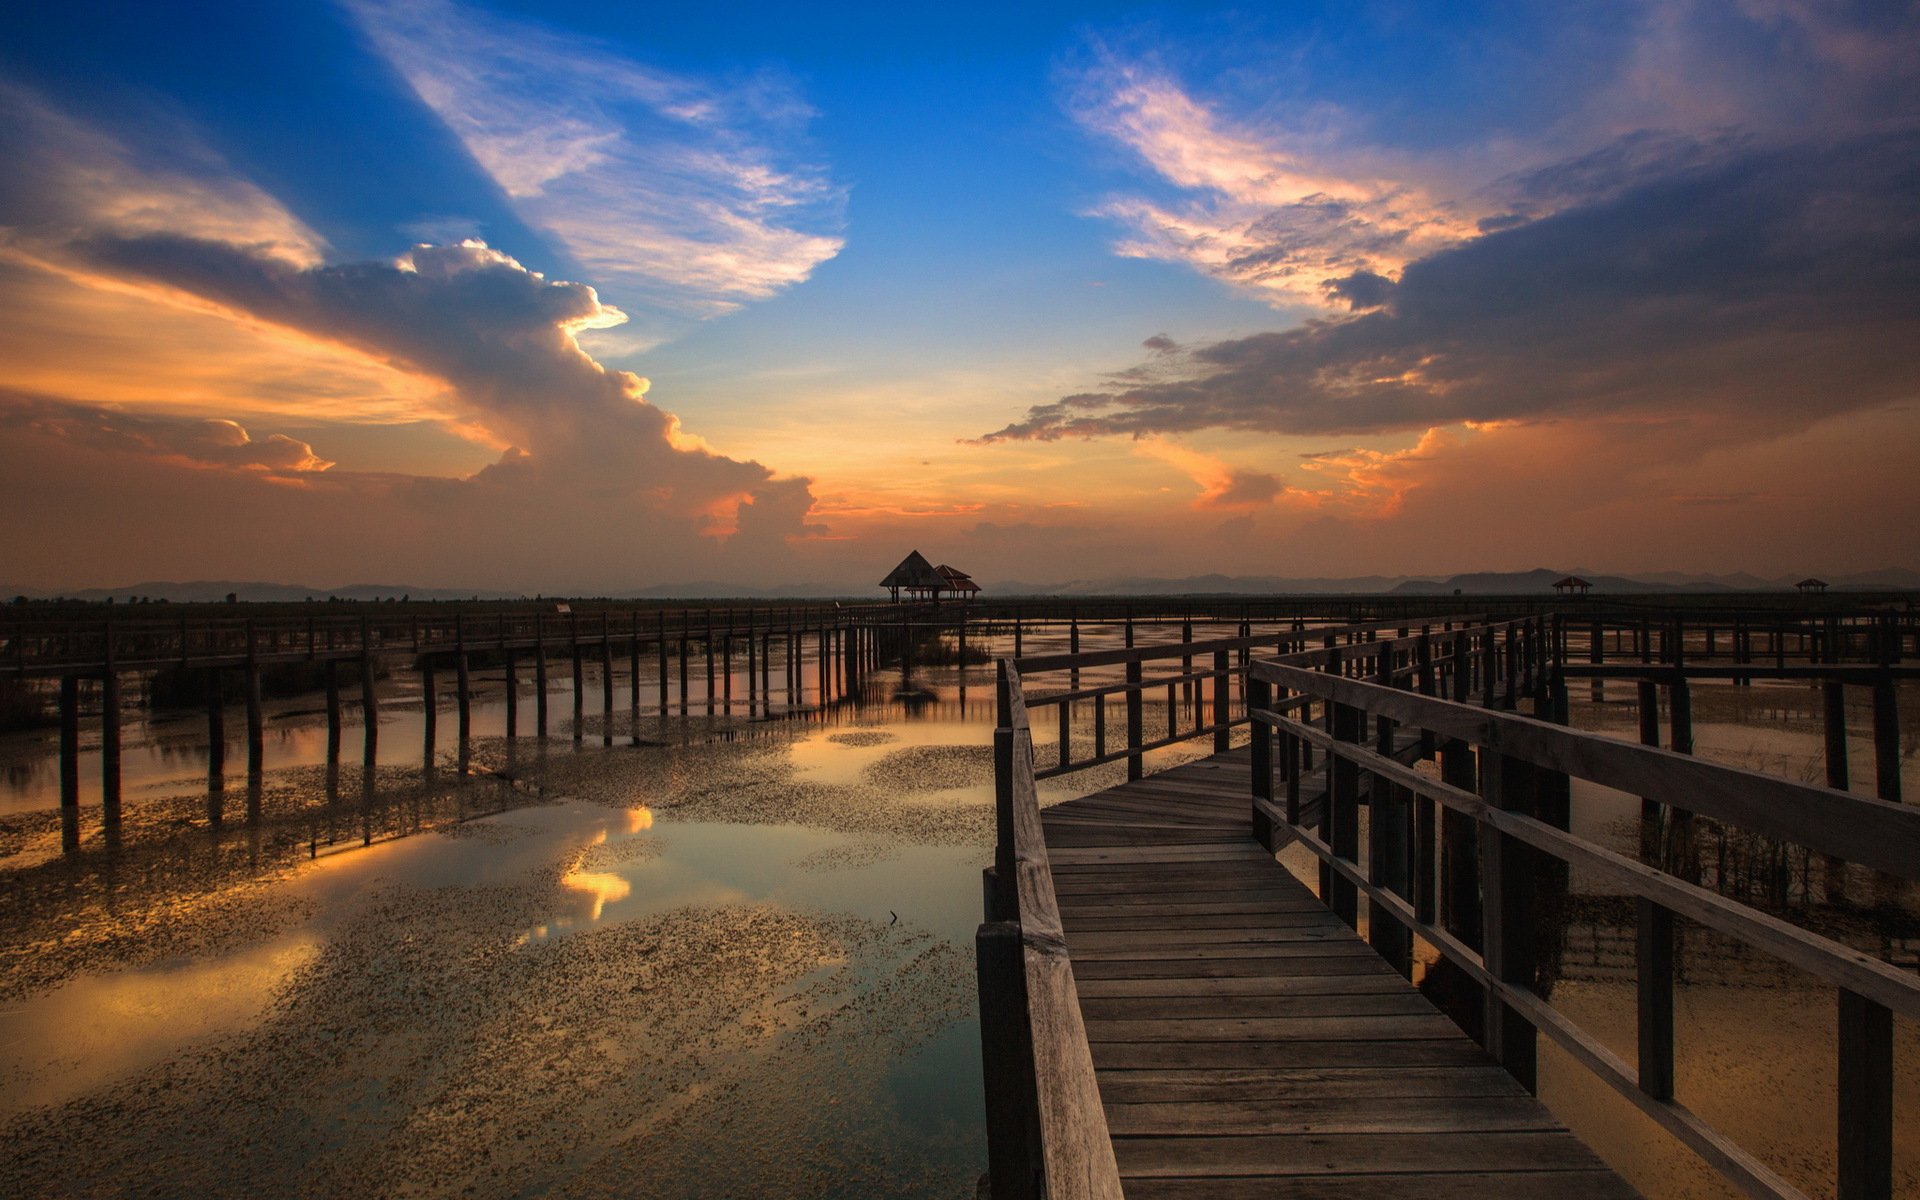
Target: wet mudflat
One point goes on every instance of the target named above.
(735, 963)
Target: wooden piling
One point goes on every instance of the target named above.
(256, 728)
(110, 749)
(69, 764)
(217, 734)
(332, 674)
(579, 679)
(513, 693)
(1886, 738)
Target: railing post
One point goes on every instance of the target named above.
(1342, 822)
(1136, 762)
(1886, 735)
(1259, 700)
(1014, 1163)
(1866, 1099)
(1653, 956)
(1389, 861)
(1508, 878)
(70, 764)
(1222, 713)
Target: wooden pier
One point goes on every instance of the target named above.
(1167, 1011)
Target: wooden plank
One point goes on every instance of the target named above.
(1195, 1086)
(1460, 1185)
(1349, 1153)
(1193, 1008)
(1312, 1112)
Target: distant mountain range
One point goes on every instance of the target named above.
(1479, 583)
(201, 591)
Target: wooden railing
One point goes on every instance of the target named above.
(1472, 863)
(1497, 661)
(69, 647)
(1046, 1130)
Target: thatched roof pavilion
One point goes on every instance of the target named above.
(916, 577)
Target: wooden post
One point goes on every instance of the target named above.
(1653, 953)
(110, 745)
(540, 677)
(462, 682)
(1390, 860)
(1834, 694)
(1459, 849)
(1343, 811)
(579, 678)
(217, 733)
(332, 673)
(1462, 667)
(1509, 935)
(69, 764)
(513, 695)
(1866, 1099)
(753, 689)
(1136, 767)
(1649, 706)
(706, 648)
(633, 671)
(256, 728)
(369, 708)
(606, 681)
(1222, 712)
(1886, 737)
(429, 714)
(684, 618)
(1014, 1158)
(1260, 699)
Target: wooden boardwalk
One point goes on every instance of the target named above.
(1246, 1042)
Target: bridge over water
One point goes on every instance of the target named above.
(1168, 1011)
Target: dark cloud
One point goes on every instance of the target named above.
(1245, 489)
(500, 335)
(1770, 286)
(1361, 290)
(206, 442)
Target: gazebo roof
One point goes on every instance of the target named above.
(1810, 581)
(914, 571)
(1571, 581)
(957, 579)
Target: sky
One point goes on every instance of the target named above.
(599, 297)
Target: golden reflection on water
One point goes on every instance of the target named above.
(601, 887)
(66, 1042)
(639, 820)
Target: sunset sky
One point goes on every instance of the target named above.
(607, 295)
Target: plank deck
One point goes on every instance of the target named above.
(1248, 1043)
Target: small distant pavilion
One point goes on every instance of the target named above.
(959, 582)
(1811, 586)
(1571, 585)
(917, 578)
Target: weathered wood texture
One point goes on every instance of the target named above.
(1247, 1042)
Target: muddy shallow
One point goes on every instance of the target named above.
(715, 966)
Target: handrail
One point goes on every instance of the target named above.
(1523, 763)
(1046, 1130)
(1471, 648)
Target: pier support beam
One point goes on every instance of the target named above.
(110, 751)
(69, 764)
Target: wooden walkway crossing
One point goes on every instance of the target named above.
(1246, 1042)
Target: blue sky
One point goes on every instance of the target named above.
(1025, 283)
